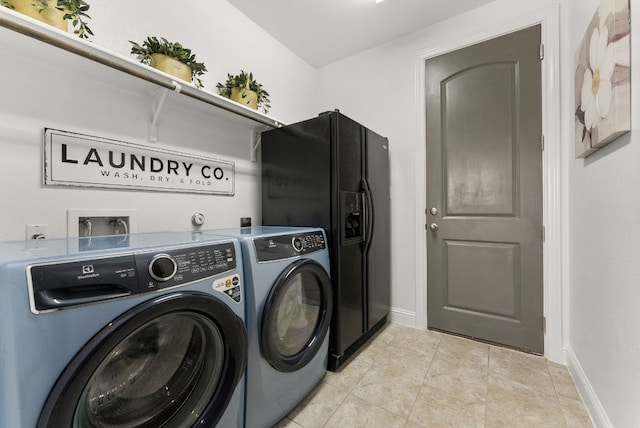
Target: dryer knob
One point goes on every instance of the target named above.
(297, 244)
(162, 267)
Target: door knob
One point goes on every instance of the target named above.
(433, 227)
(433, 211)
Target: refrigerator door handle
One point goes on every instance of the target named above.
(369, 218)
(365, 218)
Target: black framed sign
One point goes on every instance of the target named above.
(72, 159)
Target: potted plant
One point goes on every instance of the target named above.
(244, 89)
(172, 58)
(56, 13)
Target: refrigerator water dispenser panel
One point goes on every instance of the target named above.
(351, 216)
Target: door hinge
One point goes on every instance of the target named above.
(542, 142)
(544, 324)
(543, 233)
(541, 51)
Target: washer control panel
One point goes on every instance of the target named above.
(287, 246)
(179, 266)
(58, 285)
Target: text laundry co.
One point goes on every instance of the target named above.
(141, 163)
(80, 160)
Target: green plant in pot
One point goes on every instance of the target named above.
(56, 13)
(244, 89)
(172, 58)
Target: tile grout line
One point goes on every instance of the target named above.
(375, 365)
(349, 393)
(407, 419)
(337, 407)
(486, 397)
(422, 384)
(492, 353)
(555, 392)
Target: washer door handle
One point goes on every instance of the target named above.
(61, 298)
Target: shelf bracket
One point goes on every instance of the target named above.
(255, 145)
(153, 127)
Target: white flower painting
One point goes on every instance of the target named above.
(603, 90)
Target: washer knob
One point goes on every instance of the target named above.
(297, 244)
(162, 267)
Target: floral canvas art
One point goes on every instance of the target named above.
(603, 79)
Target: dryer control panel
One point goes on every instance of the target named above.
(281, 247)
(58, 285)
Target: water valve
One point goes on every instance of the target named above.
(197, 219)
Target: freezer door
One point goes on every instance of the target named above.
(377, 249)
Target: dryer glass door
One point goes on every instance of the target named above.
(171, 361)
(296, 315)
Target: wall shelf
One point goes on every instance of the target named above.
(40, 37)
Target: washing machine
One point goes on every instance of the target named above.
(103, 334)
(289, 305)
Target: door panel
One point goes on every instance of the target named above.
(495, 265)
(480, 187)
(351, 295)
(349, 154)
(484, 177)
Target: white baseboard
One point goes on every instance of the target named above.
(588, 394)
(404, 317)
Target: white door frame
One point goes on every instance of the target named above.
(553, 287)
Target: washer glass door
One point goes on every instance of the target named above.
(149, 376)
(296, 315)
(172, 361)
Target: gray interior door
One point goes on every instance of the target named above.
(484, 191)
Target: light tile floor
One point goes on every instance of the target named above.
(404, 377)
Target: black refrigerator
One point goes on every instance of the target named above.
(332, 172)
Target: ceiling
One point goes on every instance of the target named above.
(325, 31)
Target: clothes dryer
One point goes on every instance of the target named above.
(151, 334)
(289, 304)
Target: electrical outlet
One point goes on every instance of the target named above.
(36, 231)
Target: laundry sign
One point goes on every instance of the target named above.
(72, 159)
